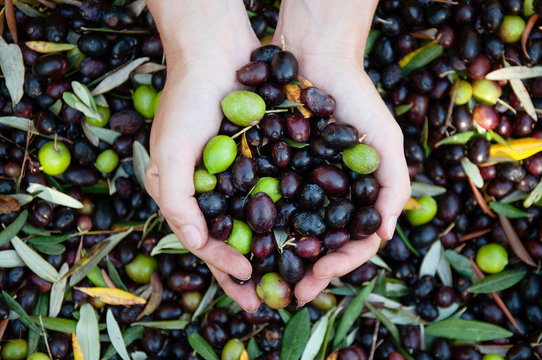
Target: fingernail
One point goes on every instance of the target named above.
(391, 226)
(191, 235)
(300, 305)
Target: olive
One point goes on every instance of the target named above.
(364, 190)
(212, 204)
(339, 136)
(427, 310)
(264, 53)
(284, 67)
(51, 66)
(243, 107)
(263, 245)
(143, 98)
(253, 74)
(272, 126)
(240, 237)
(421, 81)
(244, 173)
(54, 157)
(361, 158)
(268, 185)
(298, 127)
(183, 281)
(365, 221)
(486, 91)
(320, 103)
(468, 43)
(204, 181)
(273, 94)
(118, 18)
(232, 350)
(151, 46)
(492, 258)
(478, 150)
(485, 116)
(140, 269)
(14, 349)
(274, 291)
(219, 153)
(511, 29)
(281, 153)
(261, 212)
(291, 266)
(127, 122)
(123, 48)
(290, 184)
(308, 223)
(339, 213)
(463, 92)
(59, 346)
(93, 44)
(221, 227)
(107, 161)
(333, 239)
(308, 248)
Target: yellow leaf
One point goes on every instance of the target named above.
(49, 47)
(244, 146)
(304, 82)
(77, 352)
(293, 93)
(517, 149)
(405, 60)
(332, 356)
(244, 355)
(412, 204)
(113, 296)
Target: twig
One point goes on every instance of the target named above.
(254, 333)
(451, 105)
(375, 337)
(474, 235)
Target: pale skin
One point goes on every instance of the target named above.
(205, 42)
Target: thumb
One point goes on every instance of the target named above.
(177, 202)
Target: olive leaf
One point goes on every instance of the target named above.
(27, 9)
(473, 172)
(202, 347)
(115, 336)
(142, 79)
(119, 76)
(35, 262)
(423, 58)
(459, 329)
(137, 7)
(18, 123)
(510, 211)
(88, 333)
(54, 196)
(56, 324)
(316, 338)
(394, 332)
(252, 349)
(421, 189)
(457, 139)
(149, 68)
(57, 292)
(90, 134)
(73, 101)
(164, 325)
(205, 301)
(515, 72)
(13, 229)
(405, 239)
(169, 244)
(141, 161)
(534, 196)
(114, 275)
(129, 335)
(431, 259)
(296, 334)
(460, 264)
(10, 259)
(378, 261)
(157, 290)
(50, 249)
(49, 47)
(23, 316)
(444, 270)
(11, 63)
(497, 282)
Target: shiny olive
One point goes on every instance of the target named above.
(51, 66)
(284, 67)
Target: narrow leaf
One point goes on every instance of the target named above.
(11, 63)
(403, 109)
(296, 334)
(113, 296)
(405, 239)
(129, 335)
(460, 263)
(459, 329)
(421, 189)
(118, 77)
(35, 262)
(473, 172)
(295, 144)
(57, 292)
(156, 295)
(164, 325)
(431, 259)
(205, 301)
(423, 58)
(13, 229)
(497, 282)
(515, 243)
(115, 336)
(46, 47)
(457, 139)
(23, 316)
(169, 244)
(18, 123)
(252, 349)
(517, 149)
(293, 93)
(89, 133)
(515, 72)
(534, 196)
(351, 313)
(444, 270)
(88, 333)
(57, 324)
(202, 347)
(141, 161)
(10, 259)
(54, 196)
(285, 315)
(524, 97)
(94, 256)
(82, 92)
(394, 332)
(510, 211)
(316, 339)
(115, 277)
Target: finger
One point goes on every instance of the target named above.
(244, 295)
(152, 181)
(347, 258)
(309, 287)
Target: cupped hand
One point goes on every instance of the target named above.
(360, 105)
(188, 115)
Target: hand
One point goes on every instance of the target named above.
(337, 68)
(189, 114)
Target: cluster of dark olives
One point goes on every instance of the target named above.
(296, 186)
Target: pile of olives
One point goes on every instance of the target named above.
(295, 187)
(283, 183)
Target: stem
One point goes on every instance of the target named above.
(242, 131)
(275, 111)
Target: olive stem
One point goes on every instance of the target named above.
(242, 131)
(360, 140)
(383, 21)
(275, 111)
(505, 104)
(446, 2)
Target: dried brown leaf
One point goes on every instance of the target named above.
(474, 235)
(156, 296)
(305, 83)
(515, 242)
(425, 34)
(3, 327)
(149, 68)
(293, 93)
(244, 146)
(10, 19)
(480, 199)
(526, 32)
(8, 204)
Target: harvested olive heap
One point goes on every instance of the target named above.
(287, 189)
(89, 269)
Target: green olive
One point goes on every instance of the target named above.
(204, 181)
(324, 301)
(143, 99)
(270, 186)
(511, 29)
(219, 153)
(105, 114)
(486, 91)
(240, 237)
(243, 107)
(361, 158)
(14, 349)
(141, 268)
(38, 356)
(190, 300)
(425, 213)
(107, 161)
(492, 357)
(274, 291)
(54, 162)
(232, 350)
(492, 258)
(156, 101)
(464, 92)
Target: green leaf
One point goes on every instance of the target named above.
(24, 317)
(10, 259)
(57, 292)
(164, 325)
(288, 104)
(202, 347)
(351, 313)
(141, 160)
(296, 334)
(295, 144)
(129, 335)
(118, 76)
(403, 109)
(114, 275)
(49, 239)
(421, 189)
(35, 262)
(510, 211)
(120, 2)
(13, 229)
(534, 196)
(18, 123)
(57, 324)
(94, 256)
(394, 332)
(106, 135)
(284, 315)
(346, 290)
(50, 249)
(460, 264)
(88, 333)
(497, 282)
(457, 139)
(115, 336)
(473, 172)
(459, 329)
(423, 58)
(96, 189)
(205, 301)
(41, 310)
(169, 244)
(528, 7)
(316, 339)
(252, 349)
(371, 40)
(405, 239)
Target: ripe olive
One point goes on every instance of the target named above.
(284, 67)
(261, 212)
